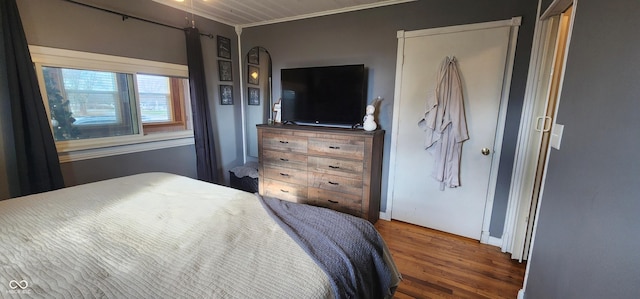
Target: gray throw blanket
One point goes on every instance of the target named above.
(347, 248)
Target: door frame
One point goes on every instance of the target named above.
(516, 213)
(514, 23)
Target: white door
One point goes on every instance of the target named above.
(538, 118)
(483, 56)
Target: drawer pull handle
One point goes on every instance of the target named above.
(334, 147)
(284, 191)
(334, 183)
(334, 167)
(284, 142)
(284, 174)
(284, 160)
(332, 201)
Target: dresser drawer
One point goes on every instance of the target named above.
(285, 143)
(284, 159)
(288, 175)
(285, 191)
(335, 183)
(346, 203)
(348, 168)
(334, 168)
(352, 148)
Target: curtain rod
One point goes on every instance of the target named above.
(125, 17)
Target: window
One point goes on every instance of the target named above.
(155, 99)
(162, 102)
(100, 101)
(87, 104)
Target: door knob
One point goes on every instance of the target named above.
(485, 151)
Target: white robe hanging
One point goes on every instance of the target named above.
(445, 124)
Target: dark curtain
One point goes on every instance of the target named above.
(37, 158)
(207, 165)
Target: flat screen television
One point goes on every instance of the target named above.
(328, 95)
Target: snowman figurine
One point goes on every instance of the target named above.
(369, 123)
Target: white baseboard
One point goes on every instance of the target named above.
(495, 241)
(385, 216)
(485, 238)
(521, 294)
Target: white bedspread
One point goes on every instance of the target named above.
(151, 235)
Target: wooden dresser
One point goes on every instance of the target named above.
(340, 169)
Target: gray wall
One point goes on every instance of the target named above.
(369, 37)
(587, 241)
(178, 160)
(60, 24)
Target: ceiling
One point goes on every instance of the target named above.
(248, 13)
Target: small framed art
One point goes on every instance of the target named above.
(253, 75)
(254, 96)
(224, 70)
(224, 47)
(254, 56)
(226, 95)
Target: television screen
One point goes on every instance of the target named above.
(330, 95)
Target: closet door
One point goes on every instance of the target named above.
(484, 57)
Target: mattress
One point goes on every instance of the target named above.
(152, 235)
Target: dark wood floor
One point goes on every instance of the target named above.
(440, 265)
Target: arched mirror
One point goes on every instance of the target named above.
(258, 96)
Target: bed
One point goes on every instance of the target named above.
(156, 235)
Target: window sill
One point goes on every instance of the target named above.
(104, 147)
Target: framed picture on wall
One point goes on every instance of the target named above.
(224, 47)
(224, 70)
(254, 96)
(226, 94)
(254, 56)
(253, 76)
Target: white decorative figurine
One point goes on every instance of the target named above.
(277, 112)
(369, 123)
